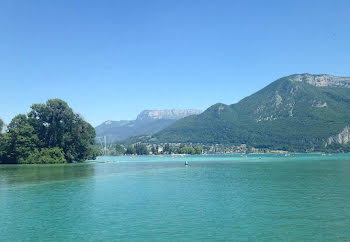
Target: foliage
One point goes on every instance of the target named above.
(186, 150)
(198, 149)
(58, 126)
(154, 150)
(119, 149)
(95, 151)
(130, 150)
(46, 130)
(167, 149)
(137, 149)
(46, 156)
(141, 149)
(19, 141)
(190, 150)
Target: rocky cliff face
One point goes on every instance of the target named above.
(342, 138)
(166, 114)
(322, 80)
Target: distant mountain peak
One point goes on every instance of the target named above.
(148, 122)
(166, 114)
(322, 80)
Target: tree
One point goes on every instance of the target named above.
(130, 150)
(19, 141)
(198, 149)
(46, 156)
(167, 149)
(154, 150)
(119, 149)
(190, 150)
(141, 149)
(186, 150)
(58, 126)
(48, 131)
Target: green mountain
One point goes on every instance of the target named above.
(297, 113)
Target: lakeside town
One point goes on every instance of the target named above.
(180, 148)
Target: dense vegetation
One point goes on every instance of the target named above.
(49, 133)
(285, 115)
(137, 149)
(197, 150)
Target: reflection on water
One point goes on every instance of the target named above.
(26, 174)
(11, 175)
(218, 198)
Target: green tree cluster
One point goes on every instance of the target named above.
(49, 133)
(167, 149)
(141, 149)
(130, 150)
(154, 150)
(46, 156)
(190, 150)
(137, 149)
(119, 149)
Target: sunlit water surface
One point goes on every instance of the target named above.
(261, 197)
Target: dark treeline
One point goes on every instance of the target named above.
(137, 149)
(49, 133)
(117, 149)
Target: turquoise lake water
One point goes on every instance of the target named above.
(215, 198)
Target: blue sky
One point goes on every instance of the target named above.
(112, 59)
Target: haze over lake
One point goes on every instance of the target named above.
(261, 197)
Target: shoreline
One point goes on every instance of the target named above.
(171, 155)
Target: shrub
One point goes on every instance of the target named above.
(46, 156)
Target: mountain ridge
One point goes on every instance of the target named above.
(147, 122)
(298, 112)
(167, 114)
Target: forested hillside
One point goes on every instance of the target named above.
(298, 113)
